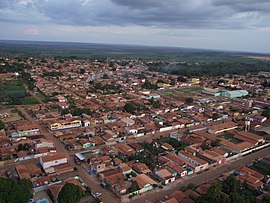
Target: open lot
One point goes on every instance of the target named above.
(179, 92)
(9, 115)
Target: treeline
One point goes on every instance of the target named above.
(229, 191)
(14, 67)
(212, 69)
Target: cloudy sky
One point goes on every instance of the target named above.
(214, 24)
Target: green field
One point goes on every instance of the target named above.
(180, 92)
(170, 93)
(190, 89)
(8, 87)
(15, 86)
(41, 96)
(230, 138)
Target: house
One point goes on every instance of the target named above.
(54, 159)
(250, 137)
(222, 127)
(166, 176)
(141, 168)
(200, 164)
(125, 149)
(145, 182)
(137, 147)
(179, 170)
(99, 164)
(211, 157)
(121, 188)
(252, 178)
(167, 147)
(64, 124)
(86, 143)
(25, 130)
(126, 169)
(44, 143)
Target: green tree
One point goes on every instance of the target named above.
(15, 192)
(105, 76)
(215, 143)
(266, 113)
(189, 100)
(134, 187)
(231, 184)
(181, 79)
(20, 147)
(70, 193)
(82, 71)
(266, 199)
(26, 147)
(2, 125)
(130, 107)
(148, 85)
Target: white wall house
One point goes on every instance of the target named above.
(54, 159)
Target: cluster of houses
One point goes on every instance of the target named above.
(219, 118)
(172, 165)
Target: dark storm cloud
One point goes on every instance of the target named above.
(156, 13)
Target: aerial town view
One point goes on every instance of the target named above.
(134, 101)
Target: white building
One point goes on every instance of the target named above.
(54, 159)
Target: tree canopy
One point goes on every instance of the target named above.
(266, 113)
(70, 193)
(229, 191)
(2, 125)
(21, 191)
(148, 85)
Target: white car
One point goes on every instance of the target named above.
(97, 194)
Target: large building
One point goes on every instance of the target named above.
(210, 91)
(234, 93)
(54, 159)
(64, 124)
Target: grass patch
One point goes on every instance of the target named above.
(41, 96)
(170, 93)
(8, 87)
(29, 100)
(191, 89)
(261, 167)
(230, 138)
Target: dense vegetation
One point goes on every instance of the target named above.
(105, 89)
(148, 85)
(70, 193)
(132, 107)
(2, 125)
(15, 192)
(76, 111)
(261, 167)
(210, 69)
(229, 191)
(266, 113)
